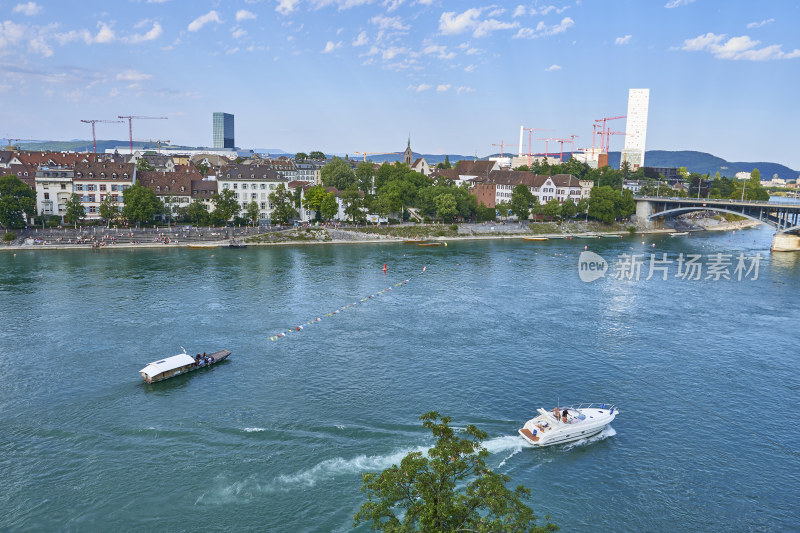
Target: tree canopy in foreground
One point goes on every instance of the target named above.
(451, 489)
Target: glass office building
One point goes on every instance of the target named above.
(223, 130)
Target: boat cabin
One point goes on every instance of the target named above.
(166, 368)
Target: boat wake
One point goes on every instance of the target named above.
(251, 430)
(608, 431)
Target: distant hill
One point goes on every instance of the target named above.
(86, 146)
(705, 163)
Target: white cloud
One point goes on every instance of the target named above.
(452, 23)
(488, 26)
(391, 5)
(199, 22)
(238, 33)
(520, 11)
(132, 75)
(439, 51)
(552, 68)
(388, 23)
(105, 34)
(29, 9)
(464, 89)
(11, 33)
(677, 3)
(759, 24)
(285, 7)
(340, 4)
(153, 34)
(361, 40)
(331, 46)
(425, 2)
(543, 30)
(39, 45)
(623, 40)
(244, 14)
(469, 68)
(737, 48)
(442, 88)
(419, 88)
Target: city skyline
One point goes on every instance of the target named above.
(357, 75)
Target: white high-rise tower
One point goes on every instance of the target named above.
(636, 128)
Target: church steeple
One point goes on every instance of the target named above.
(408, 155)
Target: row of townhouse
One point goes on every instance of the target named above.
(499, 186)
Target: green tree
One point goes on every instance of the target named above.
(317, 156)
(624, 204)
(485, 214)
(74, 210)
(503, 209)
(143, 166)
(451, 489)
(601, 204)
(108, 209)
(445, 164)
(755, 178)
(141, 204)
(282, 205)
(365, 177)
(16, 201)
(521, 201)
(552, 209)
(329, 207)
(626, 169)
(197, 212)
(203, 168)
(611, 178)
(313, 199)
(568, 208)
(300, 156)
(252, 212)
(583, 206)
(226, 206)
(353, 203)
(338, 173)
(446, 206)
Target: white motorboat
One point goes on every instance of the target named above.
(567, 424)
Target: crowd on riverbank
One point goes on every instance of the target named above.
(93, 237)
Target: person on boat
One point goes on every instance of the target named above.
(564, 416)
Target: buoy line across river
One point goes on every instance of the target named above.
(364, 300)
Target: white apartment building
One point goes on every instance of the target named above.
(53, 190)
(251, 183)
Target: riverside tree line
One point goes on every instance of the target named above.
(389, 191)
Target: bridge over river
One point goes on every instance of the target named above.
(784, 217)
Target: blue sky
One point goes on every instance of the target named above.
(360, 75)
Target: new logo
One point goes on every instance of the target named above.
(591, 266)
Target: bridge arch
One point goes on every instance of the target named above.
(681, 210)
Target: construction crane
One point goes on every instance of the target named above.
(12, 141)
(609, 134)
(603, 133)
(530, 143)
(502, 143)
(95, 121)
(365, 154)
(159, 141)
(546, 146)
(572, 144)
(561, 142)
(130, 125)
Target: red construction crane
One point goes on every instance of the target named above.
(603, 133)
(546, 146)
(95, 121)
(572, 144)
(130, 125)
(530, 135)
(501, 148)
(562, 141)
(609, 134)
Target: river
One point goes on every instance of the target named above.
(276, 438)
